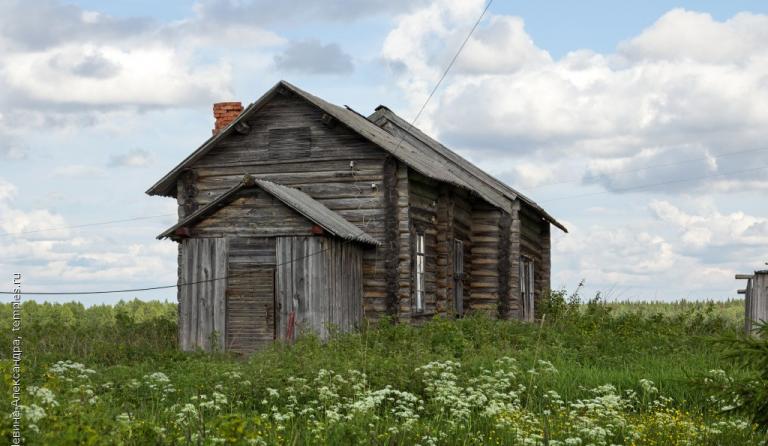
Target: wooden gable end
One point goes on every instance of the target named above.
(253, 213)
(288, 128)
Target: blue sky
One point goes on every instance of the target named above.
(98, 100)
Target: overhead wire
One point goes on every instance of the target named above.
(651, 166)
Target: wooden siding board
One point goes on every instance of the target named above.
(203, 261)
(325, 276)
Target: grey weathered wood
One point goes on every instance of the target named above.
(387, 195)
(756, 301)
(201, 295)
(319, 279)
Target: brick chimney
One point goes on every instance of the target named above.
(225, 113)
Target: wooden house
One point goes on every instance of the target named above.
(298, 214)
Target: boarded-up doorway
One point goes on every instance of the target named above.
(251, 309)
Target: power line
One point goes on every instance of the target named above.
(455, 57)
(7, 234)
(651, 166)
(362, 232)
(133, 290)
(164, 287)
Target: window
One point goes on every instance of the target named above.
(420, 263)
(458, 277)
(526, 287)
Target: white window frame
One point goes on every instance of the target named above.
(420, 272)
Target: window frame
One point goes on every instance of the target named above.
(458, 276)
(420, 272)
(527, 287)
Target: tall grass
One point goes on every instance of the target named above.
(589, 344)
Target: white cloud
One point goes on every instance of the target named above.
(14, 221)
(51, 257)
(687, 35)
(663, 98)
(151, 75)
(669, 253)
(710, 228)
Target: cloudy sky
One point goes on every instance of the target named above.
(643, 127)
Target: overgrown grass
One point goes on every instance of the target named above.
(469, 381)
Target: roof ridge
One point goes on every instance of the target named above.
(462, 163)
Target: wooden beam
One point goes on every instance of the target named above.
(744, 276)
(742, 291)
(242, 128)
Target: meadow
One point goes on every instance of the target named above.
(588, 374)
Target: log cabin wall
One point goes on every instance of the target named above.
(484, 288)
(462, 230)
(534, 244)
(454, 222)
(423, 194)
(323, 170)
(403, 246)
(515, 299)
(444, 250)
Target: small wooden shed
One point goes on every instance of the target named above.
(755, 299)
(268, 262)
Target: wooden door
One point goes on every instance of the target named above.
(202, 269)
(250, 308)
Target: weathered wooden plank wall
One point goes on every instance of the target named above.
(354, 190)
(391, 240)
(253, 213)
(756, 301)
(462, 230)
(320, 280)
(445, 236)
(534, 244)
(515, 299)
(423, 196)
(405, 268)
(202, 299)
(250, 299)
(484, 259)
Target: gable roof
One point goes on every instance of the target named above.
(423, 158)
(383, 114)
(295, 199)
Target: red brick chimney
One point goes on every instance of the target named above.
(224, 113)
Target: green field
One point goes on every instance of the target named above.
(592, 373)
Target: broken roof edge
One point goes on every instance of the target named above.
(382, 111)
(308, 207)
